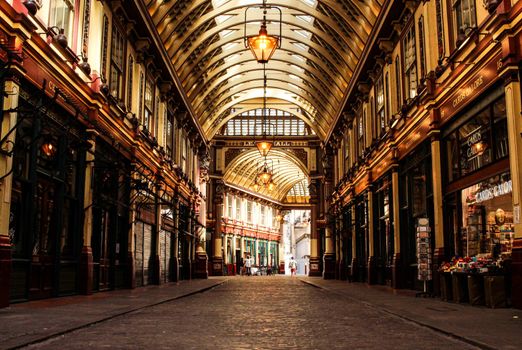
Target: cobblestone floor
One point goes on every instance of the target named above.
(256, 313)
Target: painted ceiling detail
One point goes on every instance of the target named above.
(308, 75)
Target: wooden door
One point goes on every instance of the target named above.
(43, 250)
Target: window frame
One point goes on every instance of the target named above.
(409, 35)
(117, 63)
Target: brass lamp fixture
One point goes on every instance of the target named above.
(264, 178)
(263, 45)
(264, 145)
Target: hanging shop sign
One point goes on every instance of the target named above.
(478, 83)
(497, 190)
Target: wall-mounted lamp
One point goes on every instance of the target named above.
(83, 65)
(59, 37)
(48, 147)
(32, 6)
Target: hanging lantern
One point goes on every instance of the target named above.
(264, 146)
(263, 45)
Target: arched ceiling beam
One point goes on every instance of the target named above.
(273, 84)
(248, 72)
(246, 64)
(194, 90)
(242, 109)
(236, 10)
(287, 169)
(365, 15)
(232, 78)
(225, 91)
(191, 74)
(354, 48)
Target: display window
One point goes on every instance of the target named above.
(487, 219)
(478, 142)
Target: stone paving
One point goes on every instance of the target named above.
(269, 312)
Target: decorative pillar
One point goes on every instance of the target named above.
(438, 213)
(329, 256)
(174, 257)
(201, 257)
(353, 268)
(372, 268)
(86, 262)
(396, 262)
(280, 245)
(329, 249)
(225, 252)
(130, 270)
(9, 120)
(217, 258)
(314, 251)
(514, 123)
(155, 256)
(341, 234)
(338, 252)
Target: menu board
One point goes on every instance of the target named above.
(423, 250)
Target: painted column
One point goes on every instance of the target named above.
(225, 252)
(131, 269)
(438, 214)
(233, 249)
(372, 268)
(9, 119)
(256, 251)
(396, 262)
(217, 258)
(175, 241)
(155, 256)
(86, 263)
(353, 267)
(314, 251)
(514, 121)
(280, 245)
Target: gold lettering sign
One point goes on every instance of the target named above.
(468, 91)
(472, 88)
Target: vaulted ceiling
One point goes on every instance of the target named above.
(322, 41)
(289, 174)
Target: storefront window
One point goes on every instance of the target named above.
(478, 142)
(487, 218)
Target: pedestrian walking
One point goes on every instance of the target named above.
(241, 267)
(293, 266)
(248, 265)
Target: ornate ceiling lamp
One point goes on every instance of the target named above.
(264, 178)
(263, 45)
(264, 145)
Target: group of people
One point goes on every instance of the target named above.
(247, 264)
(246, 267)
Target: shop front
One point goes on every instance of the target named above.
(415, 202)
(45, 219)
(383, 231)
(346, 242)
(360, 261)
(110, 218)
(478, 204)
